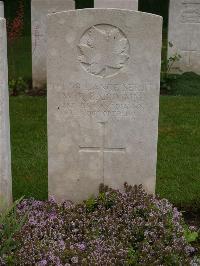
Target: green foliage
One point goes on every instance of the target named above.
(190, 236)
(91, 204)
(166, 77)
(107, 201)
(132, 257)
(9, 226)
(17, 86)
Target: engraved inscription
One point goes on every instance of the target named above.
(103, 50)
(102, 149)
(190, 12)
(103, 102)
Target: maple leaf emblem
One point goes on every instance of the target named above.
(104, 50)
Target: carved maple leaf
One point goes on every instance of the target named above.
(104, 50)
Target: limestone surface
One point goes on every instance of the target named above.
(103, 77)
(5, 160)
(122, 4)
(184, 35)
(39, 11)
(1, 9)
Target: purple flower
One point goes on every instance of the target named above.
(81, 246)
(42, 263)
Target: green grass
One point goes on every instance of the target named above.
(29, 146)
(178, 170)
(187, 84)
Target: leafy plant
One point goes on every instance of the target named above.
(10, 224)
(166, 76)
(17, 85)
(190, 236)
(91, 204)
(126, 227)
(132, 257)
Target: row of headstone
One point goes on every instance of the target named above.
(5, 156)
(39, 10)
(184, 35)
(184, 32)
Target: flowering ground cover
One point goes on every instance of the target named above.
(115, 228)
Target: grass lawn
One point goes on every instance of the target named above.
(178, 171)
(29, 146)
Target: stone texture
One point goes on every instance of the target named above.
(184, 34)
(103, 77)
(39, 11)
(5, 161)
(122, 4)
(1, 9)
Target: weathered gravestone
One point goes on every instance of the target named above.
(103, 73)
(5, 161)
(123, 4)
(184, 34)
(39, 11)
(1, 9)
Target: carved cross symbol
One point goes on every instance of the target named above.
(102, 149)
(37, 36)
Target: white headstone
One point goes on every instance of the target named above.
(184, 34)
(39, 11)
(1, 9)
(122, 4)
(103, 77)
(5, 161)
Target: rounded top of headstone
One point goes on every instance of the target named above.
(1, 3)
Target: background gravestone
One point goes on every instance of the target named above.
(123, 4)
(5, 161)
(184, 34)
(103, 77)
(1, 9)
(39, 10)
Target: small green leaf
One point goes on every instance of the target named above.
(190, 236)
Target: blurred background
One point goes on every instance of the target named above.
(21, 47)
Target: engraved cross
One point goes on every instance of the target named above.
(102, 149)
(37, 35)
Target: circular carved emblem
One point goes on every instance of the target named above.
(103, 50)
